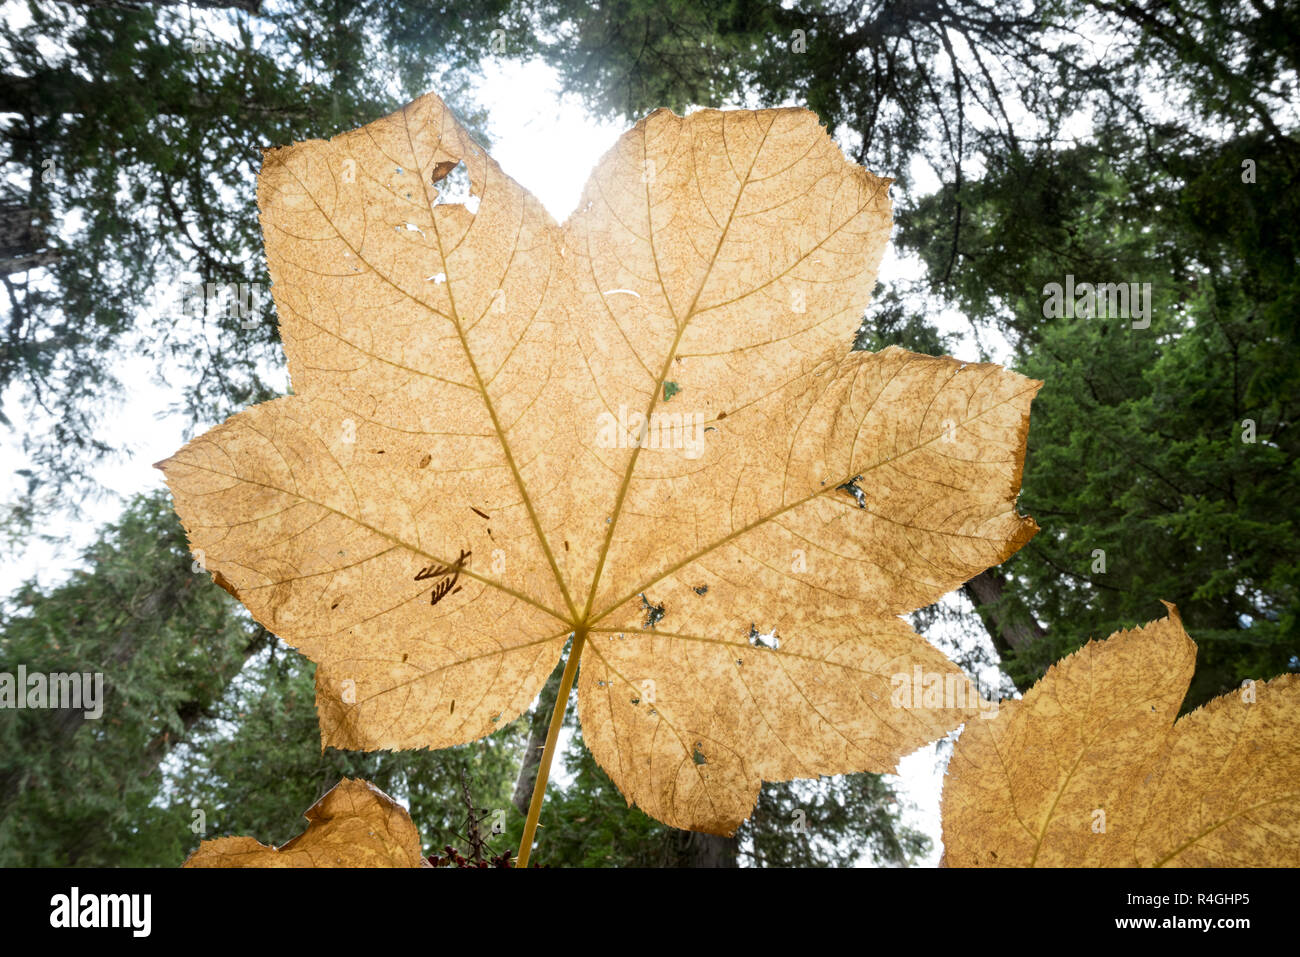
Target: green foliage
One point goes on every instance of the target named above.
(257, 767)
(76, 791)
(1139, 445)
(829, 822)
(878, 72)
(893, 321)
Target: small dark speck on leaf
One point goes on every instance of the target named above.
(478, 513)
(698, 756)
(453, 706)
(636, 700)
(653, 613)
(851, 486)
(424, 462)
(670, 390)
(700, 589)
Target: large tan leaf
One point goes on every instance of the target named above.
(460, 481)
(354, 825)
(1090, 768)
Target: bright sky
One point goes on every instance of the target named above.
(547, 143)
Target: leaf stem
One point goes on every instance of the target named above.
(548, 752)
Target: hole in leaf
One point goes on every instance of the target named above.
(454, 187)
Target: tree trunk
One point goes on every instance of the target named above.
(1010, 625)
(537, 728)
(22, 240)
(693, 849)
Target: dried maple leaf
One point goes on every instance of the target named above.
(1090, 769)
(354, 825)
(643, 429)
